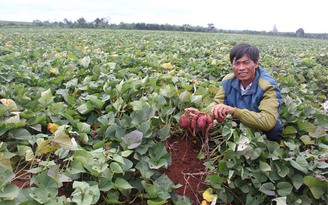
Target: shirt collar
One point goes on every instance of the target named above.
(244, 91)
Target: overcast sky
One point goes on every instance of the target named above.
(258, 15)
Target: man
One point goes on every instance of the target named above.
(249, 94)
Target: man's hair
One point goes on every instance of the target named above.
(240, 50)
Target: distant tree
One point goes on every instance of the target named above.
(210, 26)
(37, 23)
(300, 32)
(67, 23)
(46, 23)
(104, 22)
(97, 22)
(81, 22)
(274, 29)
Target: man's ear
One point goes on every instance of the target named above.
(257, 63)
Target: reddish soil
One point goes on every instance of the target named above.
(186, 169)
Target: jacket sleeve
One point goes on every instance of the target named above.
(267, 116)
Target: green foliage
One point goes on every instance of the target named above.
(247, 163)
(91, 109)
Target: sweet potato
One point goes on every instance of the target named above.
(202, 121)
(184, 122)
(194, 124)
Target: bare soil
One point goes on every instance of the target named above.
(186, 169)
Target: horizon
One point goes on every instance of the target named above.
(254, 15)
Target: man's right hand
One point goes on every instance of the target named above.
(220, 111)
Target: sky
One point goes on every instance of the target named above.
(256, 15)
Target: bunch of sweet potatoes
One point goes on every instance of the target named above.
(193, 120)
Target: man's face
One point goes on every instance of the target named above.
(244, 69)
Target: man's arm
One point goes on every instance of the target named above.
(267, 117)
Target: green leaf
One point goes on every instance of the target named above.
(268, 189)
(297, 181)
(144, 169)
(85, 193)
(300, 164)
(289, 130)
(256, 153)
(164, 132)
(46, 98)
(265, 167)
(83, 127)
(133, 139)
(156, 164)
(282, 170)
(116, 168)
(137, 105)
(317, 187)
(306, 126)
(284, 188)
(20, 134)
(14, 122)
(201, 155)
(142, 115)
(97, 103)
(5, 176)
(58, 177)
(118, 104)
(196, 98)
(44, 194)
(319, 132)
(9, 191)
(157, 202)
(121, 183)
(168, 91)
(118, 158)
(185, 96)
(85, 108)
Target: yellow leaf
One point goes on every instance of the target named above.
(204, 202)
(195, 81)
(5, 102)
(6, 163)
(167, 66)
(113, 56)
(52, 127)
(63, 139)
(171, 72)
(53, 71)
(45, 147)
(9, 104)
(208, 195)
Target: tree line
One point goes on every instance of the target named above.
(103, 23)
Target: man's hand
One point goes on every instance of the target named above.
(192, 110)
(220, 111)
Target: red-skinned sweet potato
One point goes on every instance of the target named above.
(184, 122)
(202, 121)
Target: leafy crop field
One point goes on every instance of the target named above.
(86, 115)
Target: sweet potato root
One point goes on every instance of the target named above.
(184, 122)
(193, 119)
